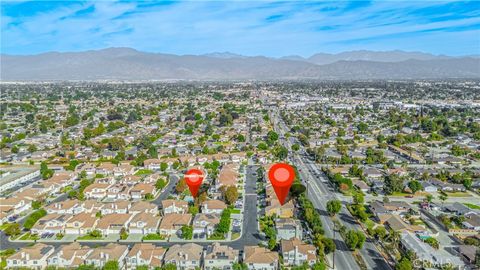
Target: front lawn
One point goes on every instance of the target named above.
(153, 236)
(29, 236)
(472, 206)
(235, 211)
(90, 237)
(142, 172)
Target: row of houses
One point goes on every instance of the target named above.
(187, 256)
(82, 217)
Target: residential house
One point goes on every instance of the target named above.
(139, 191)
(260, 258)
(82, 223)
(145, 207)
(144, 223)
(118, 207)
(32, 257)
(51, 223)
(288, 228)
(219, 257)
(295, 252)
(111, 252)
(144, 254)
(172, 223)
(174, 206)
(96, 191)
(204, 224)
(185, 257)
(65, 207)
(113, 223)
(472, 221)
(69, 256)
(213, 207)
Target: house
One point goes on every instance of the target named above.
(424, 252)
(119, 207)
(111, 252)
(105, 168)
(119, 191)
(69, 256)
(51, 223)
(472, 221)
(152, 164)
(372, 173)
(379, 208)
(288, 228)
(144, 223)
(295, 252)
(228, 176)
(204, 224)
(273, 206)
(65, 207)
(185, 257)
(213, 207)
(396, 223)
(139, 191)
(260, 258)
(113, 223)
(361, 186)
(468, 253)
(429, 187)
(14, 205)
(144, 254)
(174, 206)
(32, 257)
(172, 223)
(458, 209)
(96, 191)
(82, 223)
(219, 257)
(145, 207)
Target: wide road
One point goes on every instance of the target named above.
(319, 192)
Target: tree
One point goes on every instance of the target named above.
(354, 239)
(404, 264)
(239, 266)
(32, 148)
(163, 166)
(36, 205)
(380, 232)
(358, 198)
(149, 196)
(169, 266)
(295, 147)
(429, 198)
(33, 218)
(160, 184)
(181, 186)
(187, 232)
(333, 207)
(152, 152)
(142, 267)
(231, 194)
(13, 229)
(415, 186)
(443, 197)
(111, 265)
(45, 172)
(393, 183)
(329, 245)
(432, 242)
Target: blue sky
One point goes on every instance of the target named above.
(270, 28)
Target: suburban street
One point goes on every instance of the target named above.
(320, 193)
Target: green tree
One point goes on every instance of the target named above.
(169, 266)
(333, 207)
(36, 205)
(13, 229)
(328, 244)
(187, 232)
(404, 264)
(181, 186)
(160, 184)
(231, 194)
(415, 186)
(111, 265)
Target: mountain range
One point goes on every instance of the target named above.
(130, 64)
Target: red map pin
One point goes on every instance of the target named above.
(194, 179)
(281, 176)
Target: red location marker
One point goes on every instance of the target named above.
(194, 179)
(281, 176)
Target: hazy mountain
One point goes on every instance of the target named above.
(386, 56)
(224, 55)
(129, 64)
